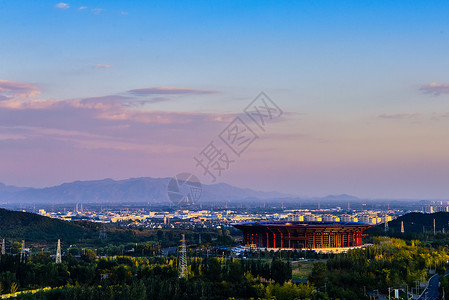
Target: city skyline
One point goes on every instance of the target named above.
(119, 90)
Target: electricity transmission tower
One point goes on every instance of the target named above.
(402, 227)
(3, 247)
(22, 252)
(103, 233)
(182, 264)
(434, 227)
(58, 253)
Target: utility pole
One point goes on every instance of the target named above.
(58, 253)
(182, 264)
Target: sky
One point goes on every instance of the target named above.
(356, 94)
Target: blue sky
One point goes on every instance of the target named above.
(364, 85)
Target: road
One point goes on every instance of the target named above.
(431, 292)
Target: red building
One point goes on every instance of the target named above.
(302, 235)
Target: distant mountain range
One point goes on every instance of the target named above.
(144, 189)
(129, 190)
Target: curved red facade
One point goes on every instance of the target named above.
(302, 235)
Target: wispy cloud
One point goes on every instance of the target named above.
(400, 116)
(439, 116)
(62, 5)
(435, 88)
(166, 90)
(114, 118)
(10, 89)
(82, 7)
(97, 11)
(100, 66)
(110, 134)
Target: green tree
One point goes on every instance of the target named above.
(280, 271)
(318, 276)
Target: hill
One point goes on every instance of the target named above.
(41, 232)
(415, 223)
(32, 227)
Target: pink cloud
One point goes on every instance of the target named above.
(107, 120)
(9, 89)
(400, 116)
(111, 135)
(435, 88)
(166, 90)
(100, 66)
(62, 5)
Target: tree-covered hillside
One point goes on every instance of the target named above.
(33, 227)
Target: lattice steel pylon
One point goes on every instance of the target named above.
(182, 263)
(434, 231)
(22, 252)
(3, 247)
(58, 253)
(402, 227)
(103, 233)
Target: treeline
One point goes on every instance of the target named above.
(150, 278)
(121, 241)
(388, 263)
(36, 230)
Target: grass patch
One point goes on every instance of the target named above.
(302, 269)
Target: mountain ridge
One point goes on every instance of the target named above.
(140, 189)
